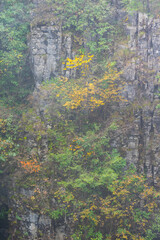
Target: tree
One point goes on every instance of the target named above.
(87, 92)
(147, 6)
(14, 27)
(126, 213)
(91, 22)
(8, 144)
(129, 209)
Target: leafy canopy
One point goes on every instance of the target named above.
(87, 92)
(14, 26)
(93, 22)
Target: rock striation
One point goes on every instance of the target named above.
(49, 45)
(142, 77)
(48, 48)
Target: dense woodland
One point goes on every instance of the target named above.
(66, 152)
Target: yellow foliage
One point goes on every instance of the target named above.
(88, 92)
(79, 62)
(125, 204)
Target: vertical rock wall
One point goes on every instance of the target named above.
(142, 77)
(48, 47)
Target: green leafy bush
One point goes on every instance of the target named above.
(92, 23)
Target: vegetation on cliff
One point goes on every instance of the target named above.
(87, 177)
(62, 147)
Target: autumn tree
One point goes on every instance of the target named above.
(126, 213)
(87, 92)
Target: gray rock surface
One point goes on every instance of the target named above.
(141, 73)
(48, 48)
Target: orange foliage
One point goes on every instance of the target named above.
(30, 166)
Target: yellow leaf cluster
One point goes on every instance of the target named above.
(87, 92)
(80, 61)
(92, 93)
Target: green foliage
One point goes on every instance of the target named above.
(3, 213)
(98, 236)
(92, 21)
(56, 214)
(89, 161)
(154, 231)
(14, 27)
(134, 5)
(132, 203)
(125, 213)
(151, 7)
(90, 181)
(18, 217)
(82, 178)
(8, 134)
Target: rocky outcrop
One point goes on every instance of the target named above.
(49, 45)
(30, 223)
(48, 48)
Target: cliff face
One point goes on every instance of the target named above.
(139, 136)
(48, 45)
(142, 76)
